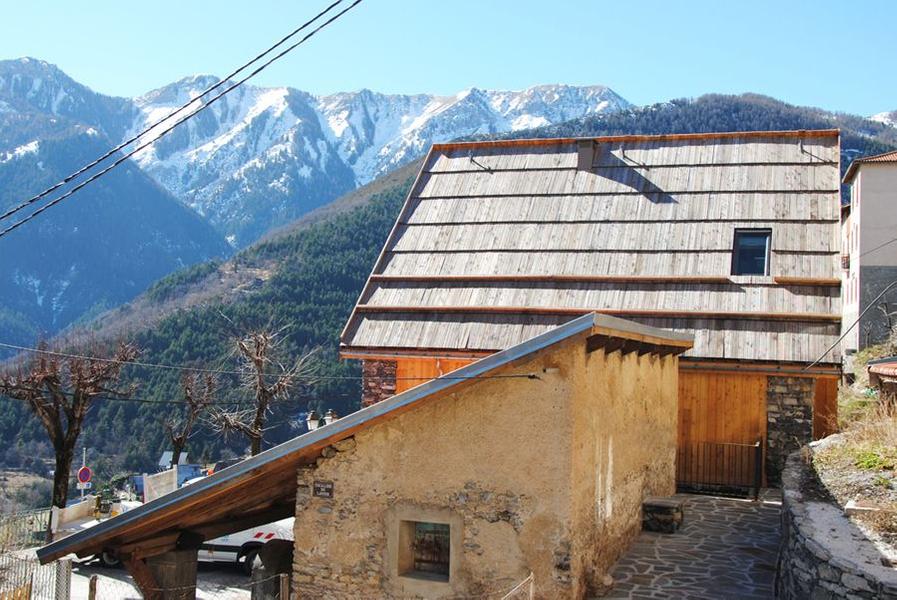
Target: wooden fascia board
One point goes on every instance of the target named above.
(547, 279)
(809, 281)
(389, 240)
(672, 137)
(366, 353)
(789, 369)
(562, 311)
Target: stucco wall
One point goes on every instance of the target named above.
(542, 475)
(625, 419)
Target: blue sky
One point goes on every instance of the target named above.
(835, 55)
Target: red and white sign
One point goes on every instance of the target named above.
(84, 475)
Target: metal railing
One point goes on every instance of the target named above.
(24, 529)
(720, 467)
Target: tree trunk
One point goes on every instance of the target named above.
(64, 458)
(176, 455)
(256, 445)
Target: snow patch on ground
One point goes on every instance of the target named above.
(23, 150)
(887, 118)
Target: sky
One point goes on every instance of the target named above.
(834, 55)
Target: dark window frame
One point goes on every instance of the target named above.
(735, 250)
(428, 554)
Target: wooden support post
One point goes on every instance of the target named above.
(143, 577)
(92, 588)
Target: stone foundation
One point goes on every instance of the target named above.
(378, 381)
(789, 421)
(822, 555)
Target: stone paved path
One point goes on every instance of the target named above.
(726, 549)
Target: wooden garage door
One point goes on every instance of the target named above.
(411, 372)
(721, 417)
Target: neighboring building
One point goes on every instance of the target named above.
(534, 460)
(883, 376)
(732, 237)
(869, 250)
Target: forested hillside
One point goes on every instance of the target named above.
(319, 274)
(307, 278)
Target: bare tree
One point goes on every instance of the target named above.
(59, 390)
(268, 380)
(179, 429)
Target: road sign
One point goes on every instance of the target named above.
(84, 475)
(85, 485)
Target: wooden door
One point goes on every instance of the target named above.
(721, 418)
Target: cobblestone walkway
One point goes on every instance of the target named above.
(726, 549)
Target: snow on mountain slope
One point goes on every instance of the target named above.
(262, 156)
(888, 118)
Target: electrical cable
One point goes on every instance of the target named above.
(168, 130)
(149, 365)
(149, 128)
(852, 325)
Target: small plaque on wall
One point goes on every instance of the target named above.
(323, 489)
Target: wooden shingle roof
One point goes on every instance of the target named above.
(500, 241)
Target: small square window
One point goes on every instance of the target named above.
(750, 255)
(424, 550)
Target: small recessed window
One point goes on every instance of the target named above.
(751, 253)
(424, 550)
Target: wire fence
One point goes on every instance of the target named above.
(214, 585)
(24, 529)
(23, 577)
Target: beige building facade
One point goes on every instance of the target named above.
(542, 475)
(869, 251)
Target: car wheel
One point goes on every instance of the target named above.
(109, 560)
(250, 561)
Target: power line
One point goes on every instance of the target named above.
(150, 365)
(149, 128)
(879, 247)
(852, 325)
(168, 130)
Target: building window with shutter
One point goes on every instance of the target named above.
(750, 255)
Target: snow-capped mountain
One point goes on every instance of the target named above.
(887, 118)
(262, 156)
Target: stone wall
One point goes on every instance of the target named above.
(378, 381)
(873, 327)
(822, 555)
(789, 420)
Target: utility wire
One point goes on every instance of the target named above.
(852, 325)
(149, 128)
(137, 363)
(169, 129)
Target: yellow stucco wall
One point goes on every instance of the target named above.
(521, 469)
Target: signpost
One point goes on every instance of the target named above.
(84, 474)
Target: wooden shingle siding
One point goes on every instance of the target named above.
(663, 236)
(615, 208)
(626, 208)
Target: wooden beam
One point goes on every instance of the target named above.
(147, 547)
(143, 577)
(224, 527)
(596, 342)
(564, 311)
(690, 279)
(670, 137)
(760, 368)
(393, 353)
(814, 281)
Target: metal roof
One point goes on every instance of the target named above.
(265, 484)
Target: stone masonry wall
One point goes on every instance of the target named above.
(789, 420)
(378, 381)
(819, 558)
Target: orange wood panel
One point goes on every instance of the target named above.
(719, 408)
(411, 372)
(825, 408)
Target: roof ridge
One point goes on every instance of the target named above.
(791, 133)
